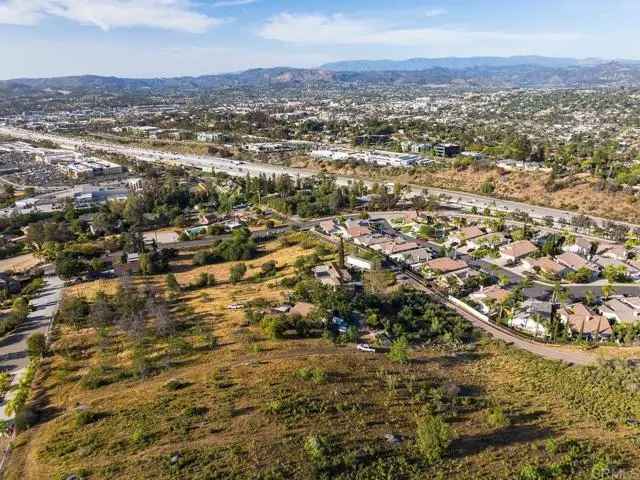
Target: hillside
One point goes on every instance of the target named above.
(467, 76)
(248, 406)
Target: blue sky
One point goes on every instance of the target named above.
(147, 38)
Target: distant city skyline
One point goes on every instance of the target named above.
(161, 38)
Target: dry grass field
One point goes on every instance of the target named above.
(20, 263)
(248, 408)
(579, 195)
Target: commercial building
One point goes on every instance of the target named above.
(447, 150)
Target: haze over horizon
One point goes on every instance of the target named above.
(166, 38)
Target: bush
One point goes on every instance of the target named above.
(433, 437)
(237, 272)
(86, 417)
(399, 351)
(496, 418)
(37, 345)
(315, 447)
(274, 327)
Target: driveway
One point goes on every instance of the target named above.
(13, 347)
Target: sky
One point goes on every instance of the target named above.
(160, 38)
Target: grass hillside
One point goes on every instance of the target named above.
(219, 399)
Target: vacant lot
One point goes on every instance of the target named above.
(20, 263)
(577, 194)
(255, 408)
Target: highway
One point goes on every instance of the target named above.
(236, 168)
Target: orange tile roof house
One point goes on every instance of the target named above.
(446, 265)
(465, 234)
(301, 308)
(546, 265)
(517, 250)
(574, 261)
(580, 319)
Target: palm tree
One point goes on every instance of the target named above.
(607, 290)
(559, 293)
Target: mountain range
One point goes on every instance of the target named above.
(475, 72)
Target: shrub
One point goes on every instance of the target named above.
(86, 417)
(37, 345)
(399, 351)
(237, 272)
(496, 418)
(433, 437)
(274, 327)
(315, 447)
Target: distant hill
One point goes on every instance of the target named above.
(414, 64)
(564, 73)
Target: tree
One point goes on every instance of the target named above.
(269, 268)
(399, 351)
(237, 272)
(433, 437)
(341, 253)
(37, 345)
(69, 267)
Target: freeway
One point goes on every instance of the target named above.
(235, 168)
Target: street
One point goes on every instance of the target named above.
(13, 347)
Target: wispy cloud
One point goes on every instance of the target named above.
(233, 3)
(107, 14)
(338, 29)
(435, 12)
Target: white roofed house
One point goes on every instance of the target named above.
(581, 246)
(532, 318)
(622, 310)
(413, 257)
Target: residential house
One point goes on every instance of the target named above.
(413, 257)
(358, 263)
(445, 265)
(464, 235)
(532, 318)
(354, 231)
(615, 251)
(487, 296)
(633, 272)
(518, 250)
(581, 246)
(576, 262)
(370, 241)
(547, 266)
(398, 246)
(622, 309)
(582, 321)
(302, 309)
(331, 275)
(495, 239)
(328, 226)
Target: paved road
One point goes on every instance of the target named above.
(13, 347)
(235, 168)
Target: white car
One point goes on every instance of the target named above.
(365, 347)
(235, 306)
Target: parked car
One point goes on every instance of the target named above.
(365, 347)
